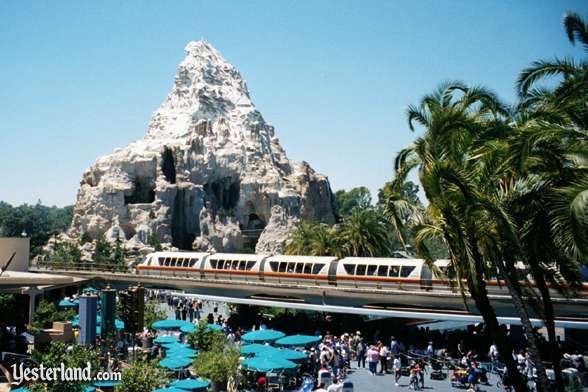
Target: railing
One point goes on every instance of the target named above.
(99, 267)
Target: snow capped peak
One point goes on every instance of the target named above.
(203, 49)
(206, 87)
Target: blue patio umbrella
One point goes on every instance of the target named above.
(298, 340)
(267, 364)
(90, 389)
(105, 384)
(64, 303)
(263, 335)
(165, 339)
(175, 363)
(191, 384)
(174, 345)
(286, 353)
(23, 389)
(254, 348)
(184, 352)
(170, 324)
(169, 389)
(119, 324)
(188, 328)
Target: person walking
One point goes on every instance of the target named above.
(384, 359)
(361, 352)
(394, 347)
(397, 369)
(373, 356)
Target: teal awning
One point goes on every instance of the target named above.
(174, 345)
(254, 348)
(165, 339)
(169, 389)
(105, 384)
(64, 303)
(267, 364)
(263, 335)
(170, 324)
(191, 384)
(298, 340)
(175, 363)
(183, 352)
(269, 351)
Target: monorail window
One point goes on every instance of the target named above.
(193, 262)
(283, 266)
(228, 264)
(213, 263)
(383, 270)
(349, 268)
(235, 264)
(242, 266)
(172, 262)
(274, 266)
(299, 268)
(360, 270)
(221, 264)
(166, 261)
(406, 270)
(308, 268)
(250, 265)
(317, 267)
(371, 270)
(291, 267)
(394, 270)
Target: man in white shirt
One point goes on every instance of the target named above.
(321, 388)
(336, 386)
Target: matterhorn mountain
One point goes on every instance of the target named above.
(210, 174)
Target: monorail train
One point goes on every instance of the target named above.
(356, 272)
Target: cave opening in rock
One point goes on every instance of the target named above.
(168, 165)
(223, 193)
(144, 192)
(255, 222)
(181, 225)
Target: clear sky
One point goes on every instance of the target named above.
(80, 78)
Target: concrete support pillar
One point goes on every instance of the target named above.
(32, 293)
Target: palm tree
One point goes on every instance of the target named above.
(550, 155)
(462, 210)
(311, 238)
(364, 234)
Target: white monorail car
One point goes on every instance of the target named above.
(383, 272)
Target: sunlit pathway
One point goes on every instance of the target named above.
(363, 381)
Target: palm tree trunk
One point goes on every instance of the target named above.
(477, 288)
(549, 319)
(509, 274)
(480, 296)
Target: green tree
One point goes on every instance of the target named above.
(66, 253)
(346, 201)
(39, 222)
(142, 375)
(79, 357)
(219, 365)
(463, 210)
(206, 339)
(364, 234)
(46, 313)
(154, 242)
(102, 251)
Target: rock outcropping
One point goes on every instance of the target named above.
(207, 173)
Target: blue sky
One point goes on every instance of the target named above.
(80, 78)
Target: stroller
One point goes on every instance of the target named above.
(437, 370)
(459, 378)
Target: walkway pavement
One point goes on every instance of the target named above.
(363, 381)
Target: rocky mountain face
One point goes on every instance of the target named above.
(206, 175)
